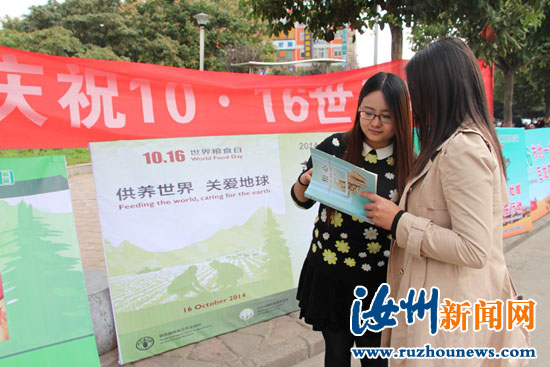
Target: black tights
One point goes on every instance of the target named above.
(339, 342)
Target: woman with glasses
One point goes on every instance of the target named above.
(448, 223)
(345, 251)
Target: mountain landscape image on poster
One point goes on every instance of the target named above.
(240, 257)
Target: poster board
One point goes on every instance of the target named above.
(538, 170)
(517, 212)
(201, 236)
(45, 317)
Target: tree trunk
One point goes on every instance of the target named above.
(396, 42)
(508, 95)
(547, 104)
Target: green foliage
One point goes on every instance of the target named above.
(528, 100)
(521, 33)
(324, 18)
(161, 32)
(515, 23)
(54, 41)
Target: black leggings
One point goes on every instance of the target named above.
(339, 342)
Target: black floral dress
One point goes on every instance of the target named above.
(345, 251)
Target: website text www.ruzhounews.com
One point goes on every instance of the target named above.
(427, 352)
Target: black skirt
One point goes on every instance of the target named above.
(325, 302)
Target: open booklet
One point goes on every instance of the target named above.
(337, 183)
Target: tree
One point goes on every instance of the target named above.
(510, 34)
(325, 18)
(278, 265)
(41, 270)
(538, 76)
(161, 32)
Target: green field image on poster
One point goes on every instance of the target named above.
(250, 261)
(44, 309)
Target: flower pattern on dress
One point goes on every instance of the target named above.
(316, 220)
(371, 158)
(374, 247)
(349, 262)
(390, 237)
(342, 246)
(324, 215)
(338, 241)
(330, 257)
(337, 219)
(371, 233)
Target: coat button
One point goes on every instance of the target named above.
(401, 271)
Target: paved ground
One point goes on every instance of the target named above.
(287, 341)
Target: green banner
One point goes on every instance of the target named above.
(44, 313)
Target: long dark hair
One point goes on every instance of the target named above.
(395, 94)
(447, 91)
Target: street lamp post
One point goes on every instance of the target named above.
(202, 19)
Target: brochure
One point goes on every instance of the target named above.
(337, 183)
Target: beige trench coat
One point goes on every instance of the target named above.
(451, 237)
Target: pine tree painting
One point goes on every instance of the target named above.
(278, 264)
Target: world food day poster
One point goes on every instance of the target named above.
(200, 234)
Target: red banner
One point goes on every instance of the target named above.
(60, 102)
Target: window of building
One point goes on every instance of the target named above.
(320, 53)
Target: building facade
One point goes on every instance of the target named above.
(299, 45)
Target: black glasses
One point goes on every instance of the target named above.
(366, 115)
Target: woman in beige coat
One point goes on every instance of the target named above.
(448, 225)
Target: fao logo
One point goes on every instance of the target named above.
(145, 343)
(246, 314)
